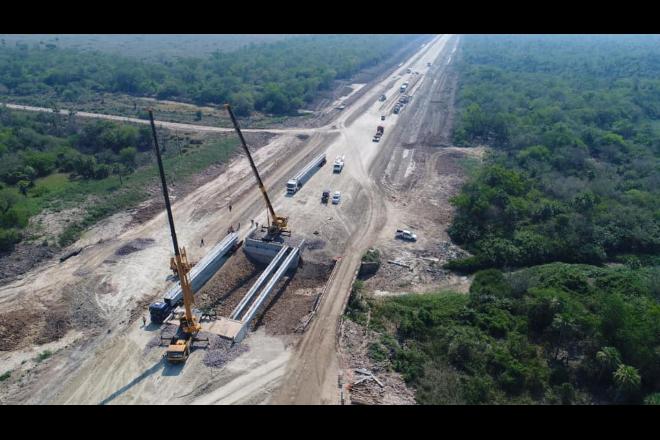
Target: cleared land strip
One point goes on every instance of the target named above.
(161, 124)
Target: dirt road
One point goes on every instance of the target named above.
(108, 364)
(312, 377)
(162, 124)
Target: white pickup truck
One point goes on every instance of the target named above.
(406, 235)
(338, 165)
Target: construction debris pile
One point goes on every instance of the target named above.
(220, 350)
(369, 382)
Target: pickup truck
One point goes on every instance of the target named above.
(404, 234)
(338, 165)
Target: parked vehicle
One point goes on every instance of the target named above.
(382, 117)
(404, 234)
(382, 98)
(336, 198)
(338, 165)
(325, 196)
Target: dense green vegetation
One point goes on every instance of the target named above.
(555, 333)
(277, 78)
(56, 162)
(574, 126)
(144, 46)
(573, 177)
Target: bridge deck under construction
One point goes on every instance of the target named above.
(237, 324)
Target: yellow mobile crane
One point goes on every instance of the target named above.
(279, 224)
(189, 326)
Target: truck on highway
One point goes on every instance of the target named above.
(338, 165)
(379, 133)
(294, 184)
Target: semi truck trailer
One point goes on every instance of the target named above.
(294, 184)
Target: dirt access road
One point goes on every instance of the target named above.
(161, 124)
(107, 363)
(312, 377)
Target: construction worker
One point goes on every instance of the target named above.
(201, 243)
(239, 226)
(230, 207)
(144, 321)
(252, 221)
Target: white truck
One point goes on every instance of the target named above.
(404, 234)
(338, 165)
(294, 184)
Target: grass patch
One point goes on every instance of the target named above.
(113, 197)
(44, 355)
(470, 165)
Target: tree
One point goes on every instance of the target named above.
(119, 169)
(627, 379)
(609, 360)
(127, 157)
(102, 171)
(85, 166)
(23, 186)
(8, 199)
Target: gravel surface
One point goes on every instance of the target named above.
(220, 351)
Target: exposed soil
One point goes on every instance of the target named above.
(294, 299)
(286, 306)
(136, 245)
(101, 290)
(354, 342)
(24, 257)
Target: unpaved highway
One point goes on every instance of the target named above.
(110, 364)
(312, 377)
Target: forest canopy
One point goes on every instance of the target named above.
(574, 173)
(277, 78)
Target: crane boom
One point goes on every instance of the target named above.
(189, 327)
(279, 223)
